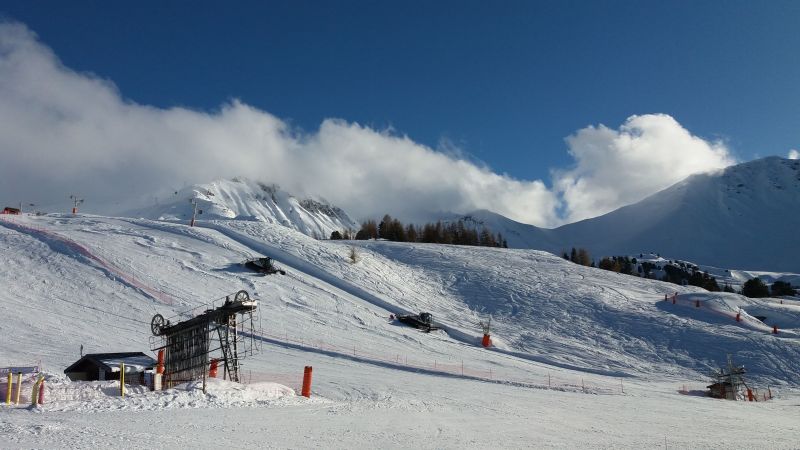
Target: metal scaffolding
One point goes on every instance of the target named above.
(226, 333)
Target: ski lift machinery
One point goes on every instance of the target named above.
(225, 329)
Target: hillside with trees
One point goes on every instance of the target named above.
(454, 233)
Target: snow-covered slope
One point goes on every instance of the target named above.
(745, 216)
(97, 281)
(243, 199)
(545, 309)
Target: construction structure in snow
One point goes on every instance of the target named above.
(730, 384)
(226, 331)
(422, 321)
(263, 265)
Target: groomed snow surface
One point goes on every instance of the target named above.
(583, 357)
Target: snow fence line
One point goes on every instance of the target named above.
(739, 316)
(461, 369)
(74, 247)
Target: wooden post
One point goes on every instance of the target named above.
(122, 379)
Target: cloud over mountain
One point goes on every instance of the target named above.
(615, 168)
(64, 132)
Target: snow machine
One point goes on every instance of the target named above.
(422, 321)
(263, 265)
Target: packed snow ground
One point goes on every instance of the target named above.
(593, 334)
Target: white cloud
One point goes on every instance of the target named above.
(64, 132)
(618, 167)
(794, 154)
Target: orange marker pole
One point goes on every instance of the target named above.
(212, 372)
(306, 392)
(160, 366)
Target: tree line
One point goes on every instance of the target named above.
(455, 233)
(679, 273)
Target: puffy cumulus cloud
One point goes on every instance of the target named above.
(614, 168)
(63, 132)
(793, 154)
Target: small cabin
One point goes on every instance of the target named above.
(10, 210)
(105, 366)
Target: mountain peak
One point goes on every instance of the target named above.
(244, 199)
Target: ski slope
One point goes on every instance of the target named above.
(96, 281)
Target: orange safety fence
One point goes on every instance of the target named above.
(446, 367)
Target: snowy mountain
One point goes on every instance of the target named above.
(244, 199)
(745, 216)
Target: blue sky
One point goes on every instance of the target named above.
(504, 83)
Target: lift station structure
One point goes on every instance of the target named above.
(226, 333)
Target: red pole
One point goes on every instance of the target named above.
(212, 371)
(160, 366)
(306, 391)
(774, 329)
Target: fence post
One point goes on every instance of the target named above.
(122, 379)
(35, 390)
(19, 386)
(41, 391)
(10, 385)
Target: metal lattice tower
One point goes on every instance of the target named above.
(228, 331)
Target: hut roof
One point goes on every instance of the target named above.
(109, 362)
